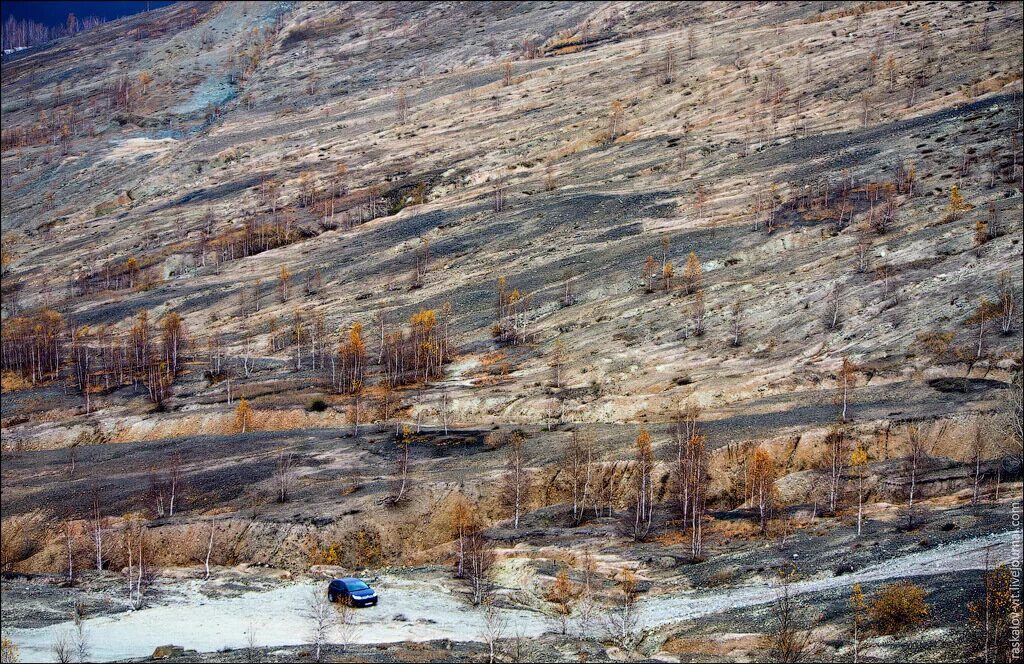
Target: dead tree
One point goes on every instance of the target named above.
(579, 468)
(403, 464)
(834, 307)
(401, 107)
(978, 448)
(918, 451)
(97, 524)
(479, 559)
(835, 460)
(668, 66)
(321, 617)
(500, 191)
(516, 481)
(1007, 303)
(283, 476)
(789, 643)
(643, 487)
(847, 379)
(736, 322)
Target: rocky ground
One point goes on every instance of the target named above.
(613, 132)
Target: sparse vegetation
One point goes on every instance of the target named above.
(898, 607)
(585, 305)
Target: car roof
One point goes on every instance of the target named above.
(348, 579)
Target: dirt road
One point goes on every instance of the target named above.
(422, 611)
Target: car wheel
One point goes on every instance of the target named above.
(332, 597)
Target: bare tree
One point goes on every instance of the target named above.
(493, 629)
(789, 643)
(557, 361)
(209, 550)
(97, 524)
(622, 620)
(698, 309)
(516, 481)
(643, 487)
(736, 322)
(402, 109)
(283, 475)
(347, 625)
(568, 297)
(835, 458)
(579, 468)
(403, 442)
(464, 522)
(616, 121)
(252, 644)
(857, 610)
(61, 649)
(847, 379)
(833, 307)
(978, 449)
(500, 193)
(985, 312)
(445, 410)
(479, 558)
(699, 479)
(1013, 410)
(1007, 303)
(174, 479)
(133, 538)
(321, 616)
(83, 648)
(919, 448)
(859, 459)
(668, 66)
(422, 264)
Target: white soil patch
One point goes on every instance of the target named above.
(419, 611)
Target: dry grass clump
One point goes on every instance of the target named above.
(741, 529)
(10, 382)
(21, 537)
(672, 538)
(898, 607)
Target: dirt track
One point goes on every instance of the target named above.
(423, 611)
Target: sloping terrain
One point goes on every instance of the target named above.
(847, 177)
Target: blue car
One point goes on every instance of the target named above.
(351, 591)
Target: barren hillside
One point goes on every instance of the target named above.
(325, 268)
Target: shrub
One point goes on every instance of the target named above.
(494, 440)
(324, 555)
(898, 607)
(368, 548)
(317, 406)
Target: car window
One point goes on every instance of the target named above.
(356, 585)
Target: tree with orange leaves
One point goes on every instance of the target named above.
(643, 487)
(243, 415)
(761, 475)
(563, 594)
(351, 361)
(649, 273)
(284, 279)
(463, 521)
(692, 273)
